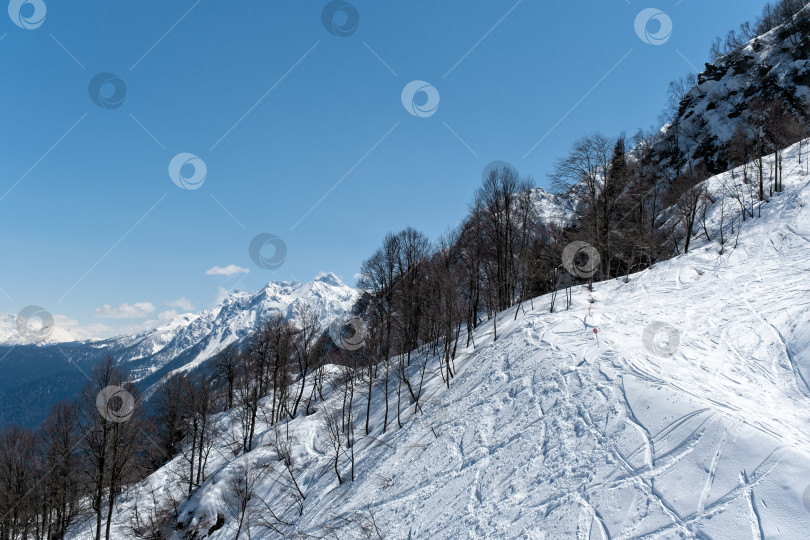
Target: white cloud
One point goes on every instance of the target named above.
(230, 271)
(222, 294)
(181, 303)
(73, 329)
(64, 321)
(81, 332)
(125, 311)
(93, 331)
(168, 315)
(163, 318)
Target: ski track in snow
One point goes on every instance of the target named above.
(546, 434)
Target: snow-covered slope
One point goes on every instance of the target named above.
(685, 415)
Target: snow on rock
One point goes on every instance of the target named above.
(771, 65)
(190, 340)
(554, 209)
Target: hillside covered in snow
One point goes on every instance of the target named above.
(672, 404)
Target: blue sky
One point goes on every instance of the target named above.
(281, 111)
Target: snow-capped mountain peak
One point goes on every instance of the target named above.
(190, 339)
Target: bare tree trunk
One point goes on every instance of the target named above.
(385, 419)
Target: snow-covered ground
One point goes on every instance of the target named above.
(555, 432)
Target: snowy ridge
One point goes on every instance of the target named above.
(555, 431)
(772, 65)
(197, 337)
(554, 209)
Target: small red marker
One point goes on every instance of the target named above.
(596, 333)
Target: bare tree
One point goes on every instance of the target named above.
(690, 196)
(583, 171)
(344, 385)
(446, 308)
(740, 151)
(60, 437)
(378, 277)
(504, 204)
(278, 336)
(365, 521)
(305, 346)
(781, 128)
(336, 437)
(18, 478)
(757, 120)
(225, 369)
(125, 449)
(471, 261)
(239, 499)
(170, 416)
(199, 399)
(112, 421)
(248, 396)
(152, 519)
(284, 450)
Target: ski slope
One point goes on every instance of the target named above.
(556, 432)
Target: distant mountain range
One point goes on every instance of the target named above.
(35, 376)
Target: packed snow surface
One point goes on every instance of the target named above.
(555, 431)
